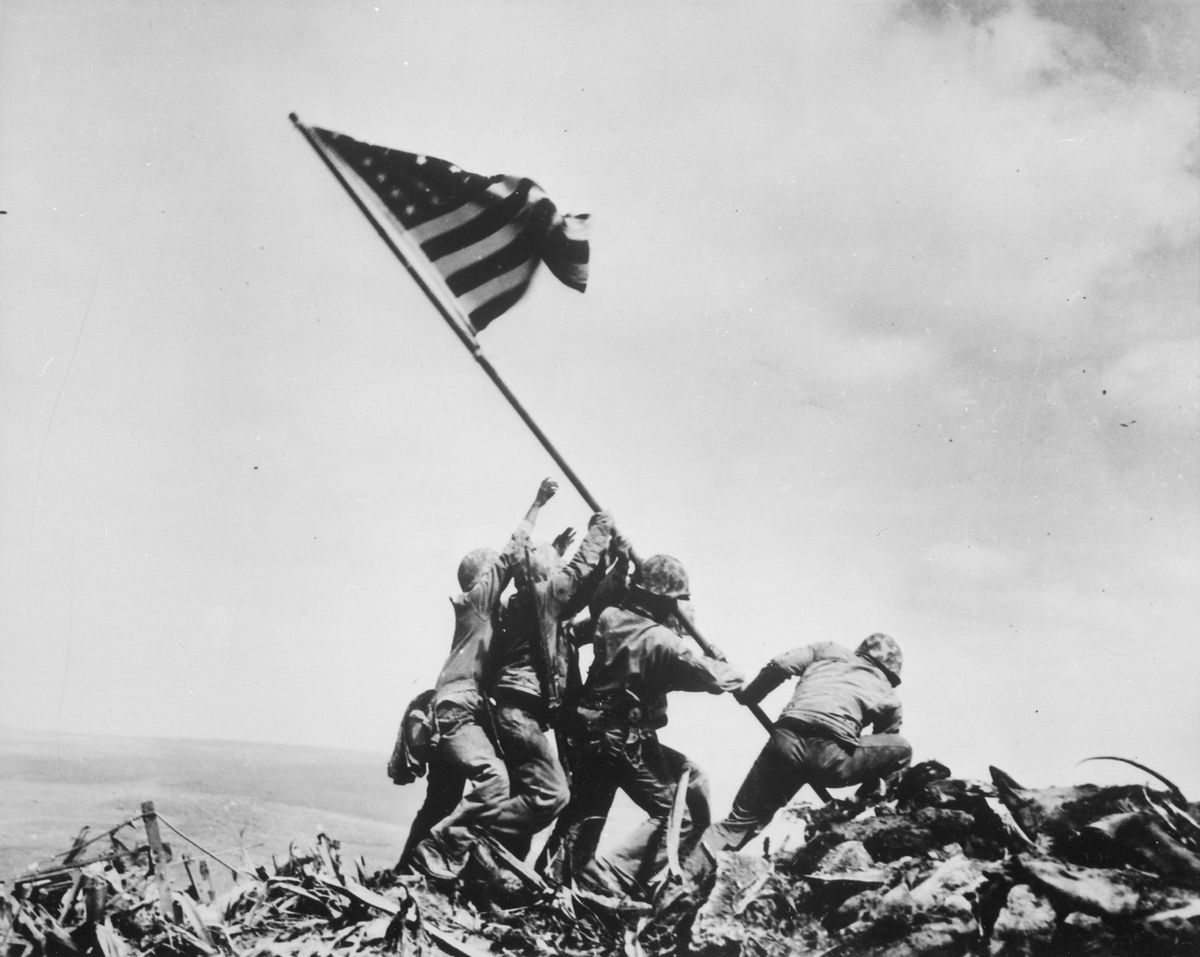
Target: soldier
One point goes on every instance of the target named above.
(536, 672)
(818, 738)
(465, 750)
(639, 657)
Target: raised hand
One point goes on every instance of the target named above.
(545, 491)
(564, 540)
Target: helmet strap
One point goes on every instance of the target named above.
(658, 607)
(887, 672)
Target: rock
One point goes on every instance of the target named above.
(1090, 889)
(848, 863)
(959, 875)
(1082, 933)
(1025, 926)
(897, 904)
(955, 937)
(1179, 926)
(859, 908)
(845, 858)
(739, 876)
(1137, 838)
(892, 836)
(1102, 826)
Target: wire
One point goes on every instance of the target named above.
(41, 865)
(205, 850)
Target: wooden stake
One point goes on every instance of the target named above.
(158, 858)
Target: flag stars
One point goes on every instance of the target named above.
(422, 160)
(381, 178)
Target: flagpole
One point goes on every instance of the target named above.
(472, 346)
(456, 324)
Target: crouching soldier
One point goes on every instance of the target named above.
(818, 739)
(534, 670)
(638, 658)
(465, 752)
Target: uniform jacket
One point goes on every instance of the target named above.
(463, 677)
(634, 654)
(532, 656)
(838, 692)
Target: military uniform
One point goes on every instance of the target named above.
(535, 673)
(818, 738)
(636, 663)
(465, 751)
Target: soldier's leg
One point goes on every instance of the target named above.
(650, 775)
(465, 749)
(577, 832)
(444, 789)
(876, 756)
(776, 775)
(537, 783)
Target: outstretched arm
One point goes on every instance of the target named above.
(545, 492)
(485, 593)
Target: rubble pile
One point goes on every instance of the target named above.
(933, 866)
(942, 866)
(114, 901)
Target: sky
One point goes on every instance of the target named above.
(893, 325)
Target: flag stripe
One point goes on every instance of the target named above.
(475, 240)
(468, 255)
(497, 305)
(463, 213)
(517, 276)
(486, 222)
(519, 250)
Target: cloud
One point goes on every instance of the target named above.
(998, 189)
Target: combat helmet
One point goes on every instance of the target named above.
(883, 652)
(664, 576)
(473, 563)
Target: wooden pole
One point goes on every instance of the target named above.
(158, 858)
(451, 315)
(459, 325)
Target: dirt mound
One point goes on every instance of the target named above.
(936, 866)
(941, 866)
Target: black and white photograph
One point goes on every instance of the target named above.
(672, 478)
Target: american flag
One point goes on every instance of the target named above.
(484, 236)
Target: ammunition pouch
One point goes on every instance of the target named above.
(601, 713)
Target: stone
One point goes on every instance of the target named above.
(1025, 926)
(958, 875)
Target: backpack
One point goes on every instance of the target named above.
(415, 741)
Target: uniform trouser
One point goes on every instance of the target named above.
(537, 783)
(443, 790)
(793, 758)
(465, 751)
(649, 772)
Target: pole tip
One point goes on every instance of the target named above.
(293, 117)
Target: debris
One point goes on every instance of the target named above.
(932, 866)
(967, 868)
(1025, 926)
